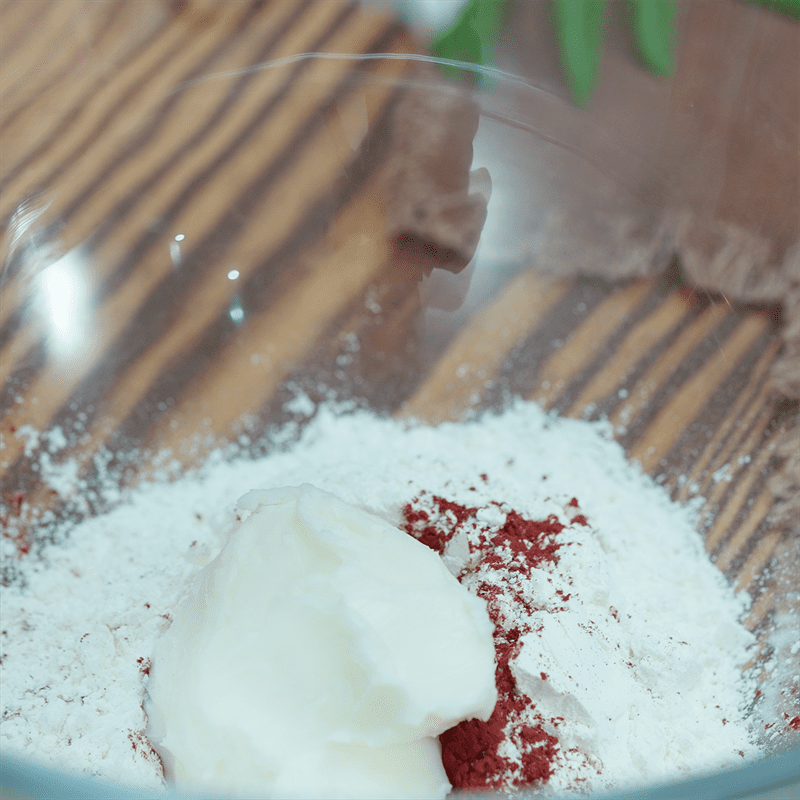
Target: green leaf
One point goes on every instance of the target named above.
(787, 6)
(654, 24)
(473, 37)
(579, 29)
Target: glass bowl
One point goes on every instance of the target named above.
(217, 196)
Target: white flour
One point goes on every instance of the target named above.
(647, 653)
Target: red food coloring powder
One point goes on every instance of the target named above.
(579, 519)
(15, 502)
(529, 539)
(434, 528)
(11, 527)
(140, 745)
(471, 751)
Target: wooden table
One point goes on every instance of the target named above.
(228, 236)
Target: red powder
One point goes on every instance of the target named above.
(15, 502)
(470, 750)
(531, 540)
(794, 723)
(433, 527)
(140, 745)
(11, 527)
(461, 513)
(469, 753)
(537, 761)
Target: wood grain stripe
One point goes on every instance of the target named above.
(168, 118)
(172, 363)
(755, 516)
(765, 546)
(40, 19)
(103, 124)
(233, 138)
(112, 134)
(643, 391)
(186, 140)
(106, 45)
(63, 387)
(19, 354)
(740, 461)
(17, 20)
(456, 382)
(727, 436)
(763, 606)
(337, 273)
(687, 401)
(66, 143)
(269, 346)
(582, 348)
(64, 53)
(188, 185)
(24, 73)
(737, 497)
(188, 166)
(643, 338)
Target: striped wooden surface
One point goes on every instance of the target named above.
(159, 185)
(678, 374)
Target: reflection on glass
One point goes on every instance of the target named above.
(64, 301)
(236, 312)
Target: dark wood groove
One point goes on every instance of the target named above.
(158, 118)
(125, 206)
(571, 391)
(686, 371)
(697, 435)
(520, 371)
(151, 237)
(201, 179)
(22, 36)
(261, 290)
(154, 316)
(111, 113)
(68, 70)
